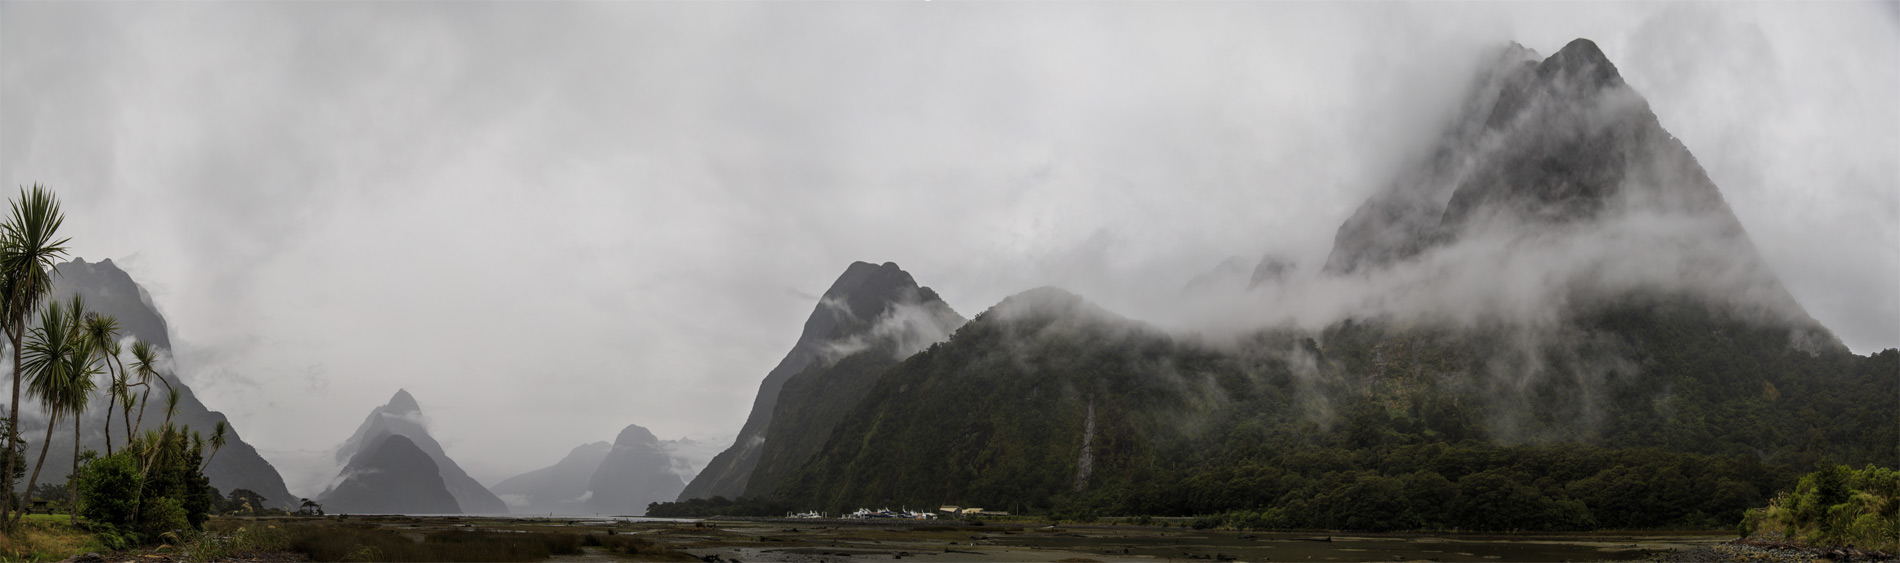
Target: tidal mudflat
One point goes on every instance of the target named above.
(603, 539)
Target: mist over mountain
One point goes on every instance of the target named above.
(871, 317)
(402, 416)
(1555, 186)
(1558, 270)
(390, 475)
(109, 290)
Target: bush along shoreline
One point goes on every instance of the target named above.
(1855, 512)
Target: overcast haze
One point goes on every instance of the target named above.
(550, 220)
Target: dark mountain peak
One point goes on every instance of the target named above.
(862, 278)
(636, 435)
(865, 277)
(852, 276)
(1581, 59)
(869, 307)
(859, 297)
(402, 403)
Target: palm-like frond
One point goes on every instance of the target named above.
(144, 360)
(102, 332)
(220, 435)
(28, 249)
(57, 359)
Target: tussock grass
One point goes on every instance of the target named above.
(48, 537)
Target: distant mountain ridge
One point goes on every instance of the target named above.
(109, 290)
(619, 478)
(557, 489)
(637, 471)
(402, 416)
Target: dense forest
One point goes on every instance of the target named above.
(1655, 413)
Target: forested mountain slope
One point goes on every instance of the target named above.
(1552, 322)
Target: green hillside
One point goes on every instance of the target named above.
(1369, 426)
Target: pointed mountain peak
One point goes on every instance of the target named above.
(861, 277)
(861, 296)
(401, 402)
(635, 434)
(1581, 59)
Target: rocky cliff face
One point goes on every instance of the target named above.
(869, 307)
(402, 416)
(390, 475)
(111, 291)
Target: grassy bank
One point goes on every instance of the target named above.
(48, 537)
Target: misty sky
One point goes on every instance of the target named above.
(550, 220)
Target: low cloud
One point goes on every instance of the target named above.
(321, 183)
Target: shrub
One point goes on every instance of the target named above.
(1836, 506)
(162, 515)
(108, 487)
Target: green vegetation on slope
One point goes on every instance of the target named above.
(1655, 412)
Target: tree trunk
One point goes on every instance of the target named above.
(50, 423)
(127, 415)
(143, 395)
(111, 399)
(152, 458)
(13, 428)
(72, 479)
